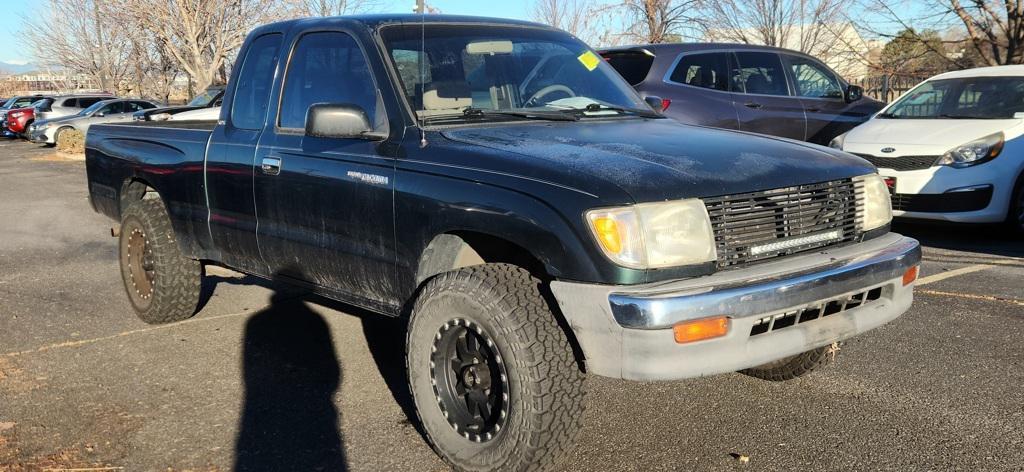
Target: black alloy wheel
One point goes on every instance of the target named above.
(469, 380)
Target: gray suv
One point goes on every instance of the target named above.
(751, 88)
(67, 105)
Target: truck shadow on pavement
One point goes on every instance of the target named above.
(289, 420)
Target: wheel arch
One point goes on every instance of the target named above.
(459, 249)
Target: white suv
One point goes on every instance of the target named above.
(951, 148)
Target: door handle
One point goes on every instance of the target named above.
(271, 165)
(752, 105)
(814, 110)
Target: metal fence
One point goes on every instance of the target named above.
(888, 87)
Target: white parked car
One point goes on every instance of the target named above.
(209, 113)
(951, 148)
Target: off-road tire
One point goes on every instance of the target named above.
(176, 279)
(789, 368)
(545, 386)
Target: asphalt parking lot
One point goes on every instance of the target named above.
(267, 379)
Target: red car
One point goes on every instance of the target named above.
(18, 119)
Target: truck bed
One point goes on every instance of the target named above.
(165, 155)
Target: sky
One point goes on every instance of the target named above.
(11, 21)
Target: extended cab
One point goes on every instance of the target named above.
(501, 189)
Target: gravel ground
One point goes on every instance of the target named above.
(84, 384)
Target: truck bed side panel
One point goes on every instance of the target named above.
(169, 159)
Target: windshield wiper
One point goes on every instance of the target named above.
(888, 115)
(479, 113)
(962, 117)
(597, 107)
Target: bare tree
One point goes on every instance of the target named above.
(658, 21)
(992, 30)
(80, 36)
(332, 7)
(201, 35)
(805, 25)
(569, 15)
(995, 28)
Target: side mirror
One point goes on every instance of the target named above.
(100, 114)
(655, 103)
(854, 93)
(339, 120)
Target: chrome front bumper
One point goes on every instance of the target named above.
(626, 331)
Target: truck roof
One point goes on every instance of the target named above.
(374, 21)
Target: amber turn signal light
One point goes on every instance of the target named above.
(698, 330)
(909, 276)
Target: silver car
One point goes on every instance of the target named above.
(66, 105)
(107, 111)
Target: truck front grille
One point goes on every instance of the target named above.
(902, 162)
(757, 226)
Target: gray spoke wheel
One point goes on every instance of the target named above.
(492, 373)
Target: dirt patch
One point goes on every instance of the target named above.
(12, 378)
(71, 141)
(107, 444)
(60, 157)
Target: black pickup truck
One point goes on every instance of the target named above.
(500, 188)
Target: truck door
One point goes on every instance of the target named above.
(231, 156)
(325, 205)
(764, 103)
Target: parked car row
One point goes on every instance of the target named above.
(41, 118)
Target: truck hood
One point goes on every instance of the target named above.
(660, 159)
(924, 136)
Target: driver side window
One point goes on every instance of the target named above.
(813, 80)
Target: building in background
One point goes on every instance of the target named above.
(839, 45)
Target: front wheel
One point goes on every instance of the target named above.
(492, 373)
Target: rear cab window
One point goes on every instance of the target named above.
(759, 73)
(631, 65)
(252, 91)
(705, 70)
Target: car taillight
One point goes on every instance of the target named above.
(665, 103)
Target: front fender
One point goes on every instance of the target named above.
(521, 212)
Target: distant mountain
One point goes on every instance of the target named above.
(9, 68)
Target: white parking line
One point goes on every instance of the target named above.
(952, 273)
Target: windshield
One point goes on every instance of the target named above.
(983, 98)
(473, 71)
(205, 98)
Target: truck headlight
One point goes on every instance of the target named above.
(655, 235)
(974, 152)
(877, 202)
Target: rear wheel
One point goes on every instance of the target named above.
(492, 373)
(163, 285)
(789, 368)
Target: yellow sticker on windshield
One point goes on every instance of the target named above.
(589, 60)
